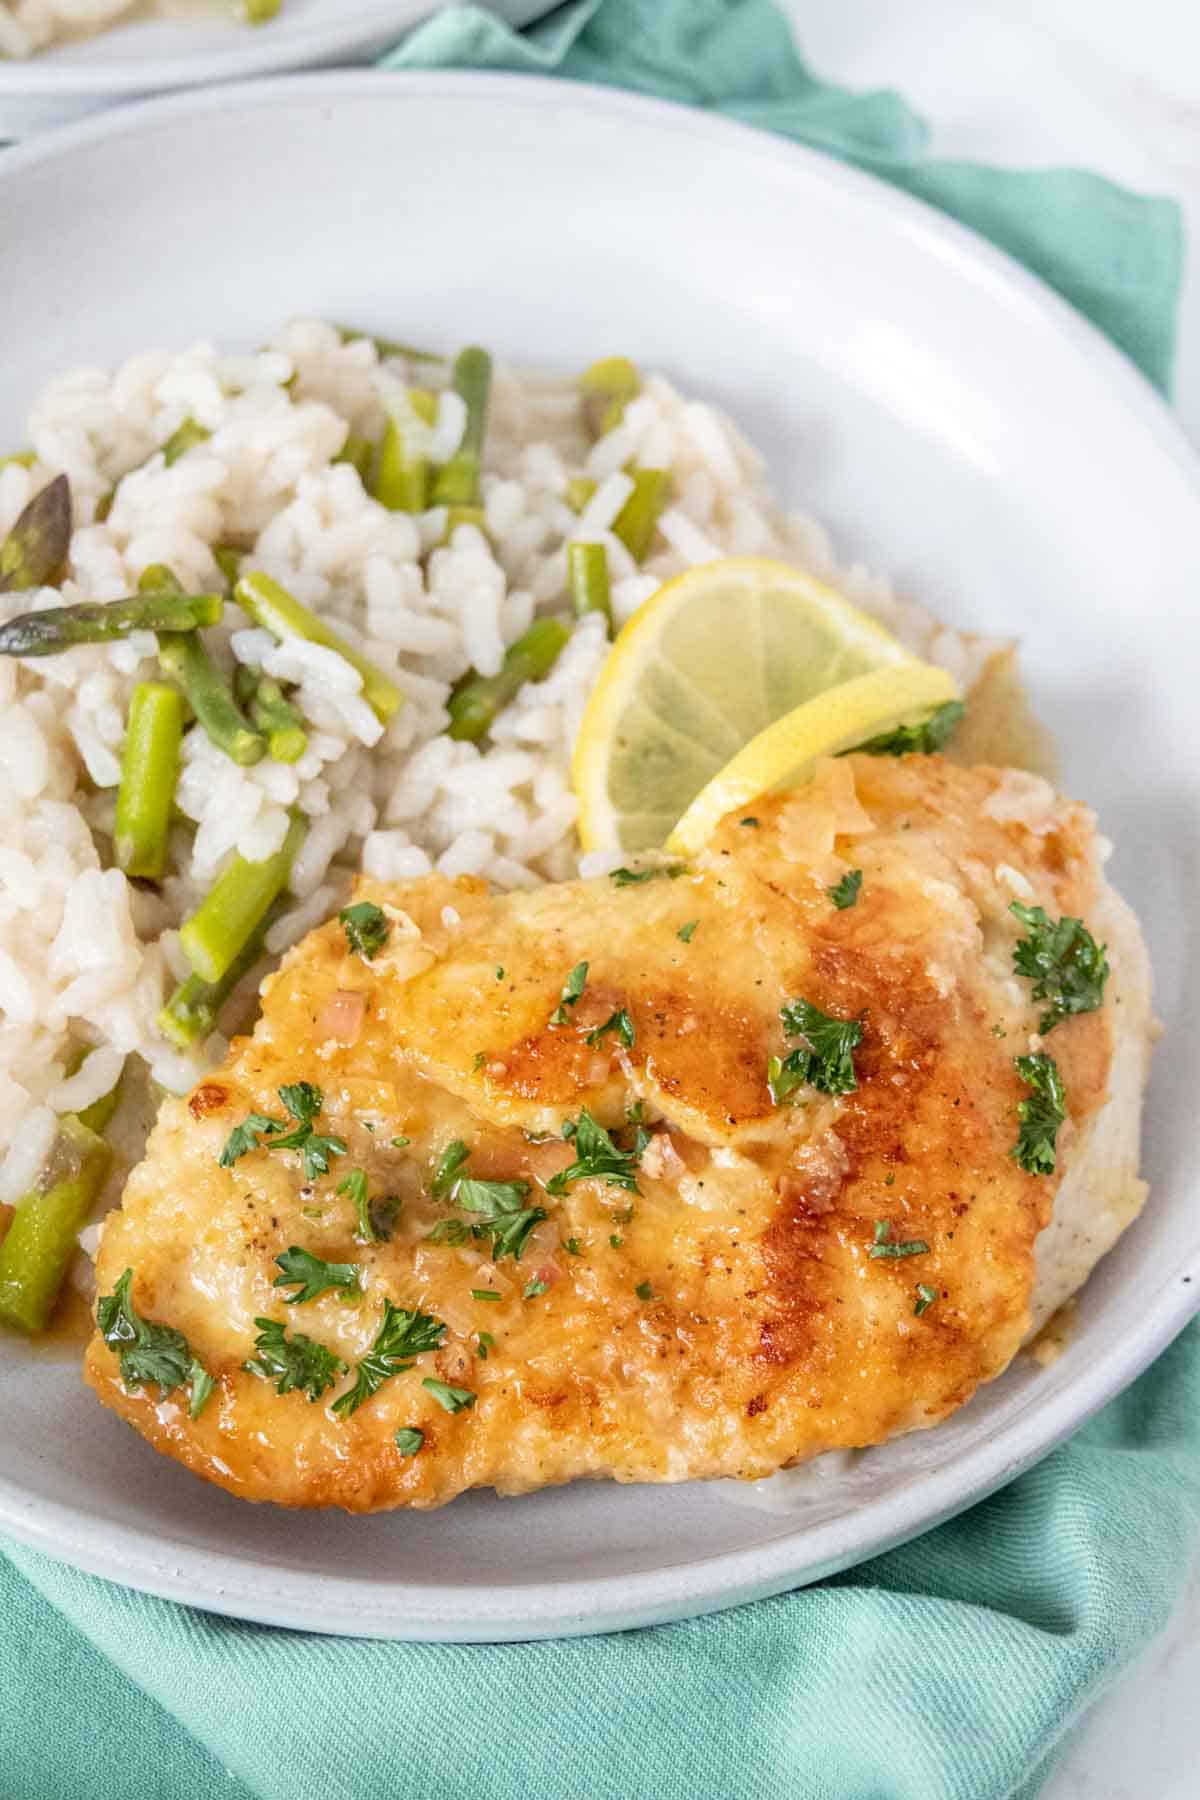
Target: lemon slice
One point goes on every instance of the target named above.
(783, 754)
(711, 660)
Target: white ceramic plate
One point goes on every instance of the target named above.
(157, 55)
(950, 419)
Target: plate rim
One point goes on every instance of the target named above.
(242, 1588)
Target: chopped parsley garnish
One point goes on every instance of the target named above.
(644, 1291)
(885, 1246)
(631, 877)
(534, 1288)
(572, 990)
(618, 1022)
(409, 1439)
(751, 823)
(1040, 1115)
(572, 1247)
(687, 932)
(312, 1276)
(366, 928)
(304, 1102)
(486, 1342)
(478, 1061)
(597, 1158)
(845, 892)
(503, 1215)
(202, 1385)
(930, 735)
(616, 1241)
(451, 1161)
(402, 1335)
(486, 1294)
(827, 1064)
(355, 1188)
(295, 1362)
(400, 1143)
(448, 1231)
(244, 1137)
(1063, 960)
(150, 1353)
(453, 1399)
(499, 972)
(926, 1296)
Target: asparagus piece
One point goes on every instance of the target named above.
(587, 580)
(36, 548)
(457, 481)
(463, 515)
(607, 387)
(229, 561)
(387, 346)
(195, 1006)
(272, 713)
(478, 698)
(277, 611)
(580, 489)
(359, 452)
(41, 1240)
(401, 481)
(236, 905)
(100, 622)
(149, 771)
(207, 691)
(637, 520)
(185, 437)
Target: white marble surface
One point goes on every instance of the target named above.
(1115, 87)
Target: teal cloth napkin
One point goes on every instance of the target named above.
(946, 1670)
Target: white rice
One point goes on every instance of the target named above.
(85, 958)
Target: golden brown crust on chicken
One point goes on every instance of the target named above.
(734, 1321)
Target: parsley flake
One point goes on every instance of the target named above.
(402, 1335)
(750, 823)
(1040, 1115)
(597, 1158)
(572, 1247)
(451, 1161)
(409, 1439)
(486, 1294)
(312, 1276)
(845, 892)
(486, 1342)
(572, 990)
(304, 1102)
(534, 1288)
(356, 1189)
(292, 1363)
(478, 1061)
(828, 1062)
(453, 1399)
(499, 972)
(616, 1241)
(687, 932)
(926, 1296)
(620, 1023)
(366, 928)
(503, 1215)
(150, 1353)
(884, 1245)
(400, 1143)
(644, 1291)
(924, 739)
(1063, 960)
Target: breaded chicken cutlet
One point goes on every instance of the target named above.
(680, 1173)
